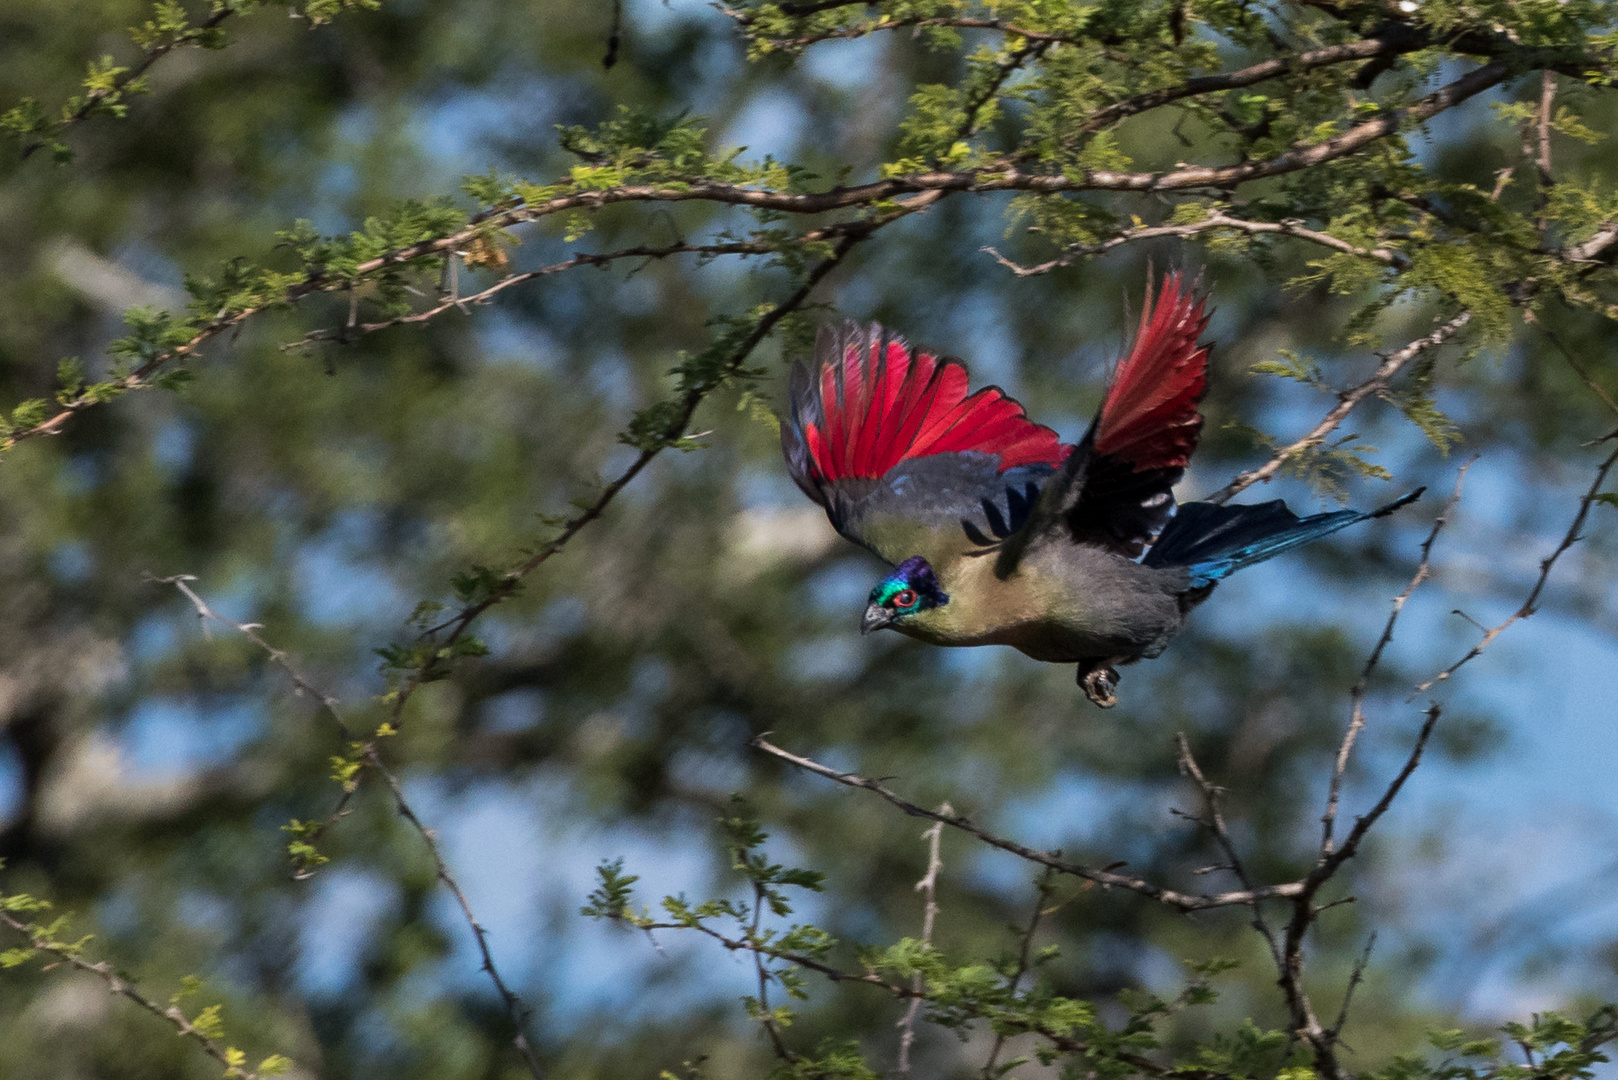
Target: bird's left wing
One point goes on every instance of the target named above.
(1115, 491)
(906, 462)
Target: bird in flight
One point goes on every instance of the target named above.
(1001, 534)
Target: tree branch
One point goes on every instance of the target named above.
(516, 1010)
(1530, 604)
(1216, 219)
(1180, 901)
(125, 987)
(1347, 400)
(1356, 722)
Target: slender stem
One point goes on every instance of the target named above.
(1347, 400)
(928, 887)
(1169, 897)
(126, 987)
(1356, 722)
(516, 1009)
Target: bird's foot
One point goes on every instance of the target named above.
(1098, 679)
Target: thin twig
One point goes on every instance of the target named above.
(1391, 364)
(1215, 823)
(1043, 888)
(1305, 1023)
(1356, 695)
(1169, 897)
(928, 887)
(1355, 977)
(279, 657)
(1530, 605)
(516, 1009)
(355, 329)
(125, 987)
(1216, 219)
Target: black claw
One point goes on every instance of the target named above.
(1099, 681)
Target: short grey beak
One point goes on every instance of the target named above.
(875, 618)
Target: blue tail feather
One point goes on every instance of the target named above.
(1213, 541)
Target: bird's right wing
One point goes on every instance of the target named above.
(1115, 490)
(905, 460)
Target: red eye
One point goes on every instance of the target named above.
(905, 598)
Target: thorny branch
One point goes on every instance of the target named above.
(1215, 823)
(1379, 381)
(516, 1009)
(1530, 604)
(125, 987)
(1180, 901)
(928, 887)
(1356, 721)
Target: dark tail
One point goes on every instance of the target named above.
(1214, 541)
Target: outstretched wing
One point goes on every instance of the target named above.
(1116, 489)
(905, 460)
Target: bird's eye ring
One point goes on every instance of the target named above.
(904, 598)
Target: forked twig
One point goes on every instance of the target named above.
(1356, 721)
(1530, 604)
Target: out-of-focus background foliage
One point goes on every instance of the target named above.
(146, 766)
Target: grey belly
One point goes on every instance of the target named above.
(1110, 608)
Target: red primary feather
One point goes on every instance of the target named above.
(883, 408)
(1150, 417)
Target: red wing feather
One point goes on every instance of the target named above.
(883, 402)
(1150, 418)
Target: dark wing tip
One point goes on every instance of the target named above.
(1401, 501)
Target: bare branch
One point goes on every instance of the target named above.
(1530, 605)
(516, 1009)
(1356, 721)
(1169, 897)
(928, 887)
(1215, 823)
(1355, 977)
